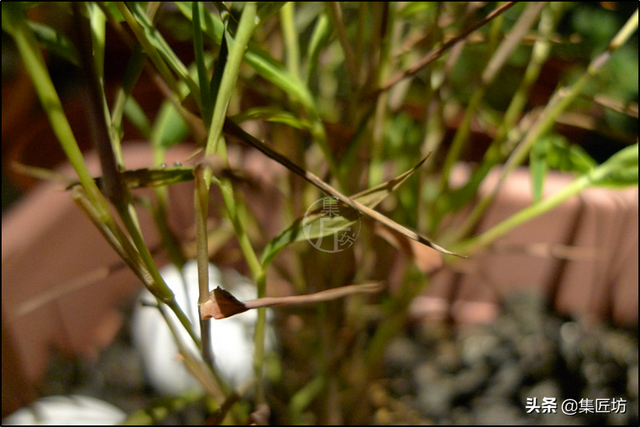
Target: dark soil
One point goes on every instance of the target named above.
(435, 373)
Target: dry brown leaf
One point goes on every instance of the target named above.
(223, 304)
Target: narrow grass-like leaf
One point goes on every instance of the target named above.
(150, 177)
(55, 42)
(231, 69)
(98, 22)
(371, 198)
(291, 38)
(169, 127)
(272, 114)
(272, 70)
(538, 168)
(622, 169)
(124, 104)
(156, 177)
(567, 157)
(267, 10)
(205, 93)
(137, 116)
(321, 33)
(232, 129)
(218, 70)
(158, 50)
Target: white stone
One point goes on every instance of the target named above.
(67, 410)
(232, 338)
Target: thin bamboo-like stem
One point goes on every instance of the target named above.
(349, 57)
(383, 68)
(435, 54)
(495, 64)
(559, 102)
(206, 106)
(533, 211)
(201, 200)
(15, 21)
(290, 33)
(215, 144)
(541, 49)
(236, 53)
(117, 192)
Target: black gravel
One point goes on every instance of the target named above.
(485, 374)
(435, 374)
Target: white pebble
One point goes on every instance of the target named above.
(232, 338)
(67, 410)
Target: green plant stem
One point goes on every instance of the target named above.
(15, 23)
(436, 53)
(148, 47)
(229, 77)
(318, 40)
(559, 102)
(215, 144)
(203, 78)
(379, 119)
(166, 295)
(537, 209)
(290, 34)
(541, 49)
(201, 200)
(303, 398)
(259, 276)
(349, 58)
(497, 61)
(258, 339)
(202, 372)
(95, 206)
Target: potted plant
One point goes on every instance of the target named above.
(344, 105)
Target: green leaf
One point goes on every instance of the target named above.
(567, 157)
(269, 9)
(205, 93)
(232, 129)
(556, 152)
(272, 114)
(622, 169)
(272, 70)
(137, 116)
(319, 39)
(151, 177)
(295, 232)
(218, 70)
(55, 42)
(169, 127)
(157, 48)
(538, 167)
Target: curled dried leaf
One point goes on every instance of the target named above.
(223, 304)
